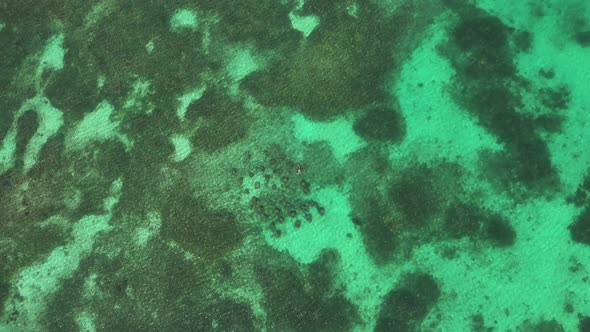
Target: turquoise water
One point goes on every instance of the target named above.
(267, 165)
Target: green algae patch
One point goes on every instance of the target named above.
(242, 64)
(186, 99)
(8, 150)
(184, 19)
(305, 24)
(50, 121)
(96, 126)
(152, 228)
(53, 55)
(182, 147)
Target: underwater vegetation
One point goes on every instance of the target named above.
(289, 165)
(406, 306)
(482, 50)
(343, 64)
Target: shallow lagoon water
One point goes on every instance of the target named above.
(294, 165)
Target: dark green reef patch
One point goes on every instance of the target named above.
(29, 201)
(4, 288)
(556, 99)
(499, 232)
(197, 229)
(93, 171)
(230, 315)
(381, 124)
(378, 229)
(478, 324)
(580, 228)
(304, 299)
(584, 325)
(73, 89)
(549, 326)
(482, 50)
(417, 206)
(484, 38)
(147, 289)
(416, 195)
(221, 120)
(26, 126)
(463, 220)
(265, 23)
(541, 326)
(580, 197)
(582, 38)
(226, 236)
(405, 307)
(344, 63)
(325, 9)
(467, 220)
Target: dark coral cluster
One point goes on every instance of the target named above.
(277, 190)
